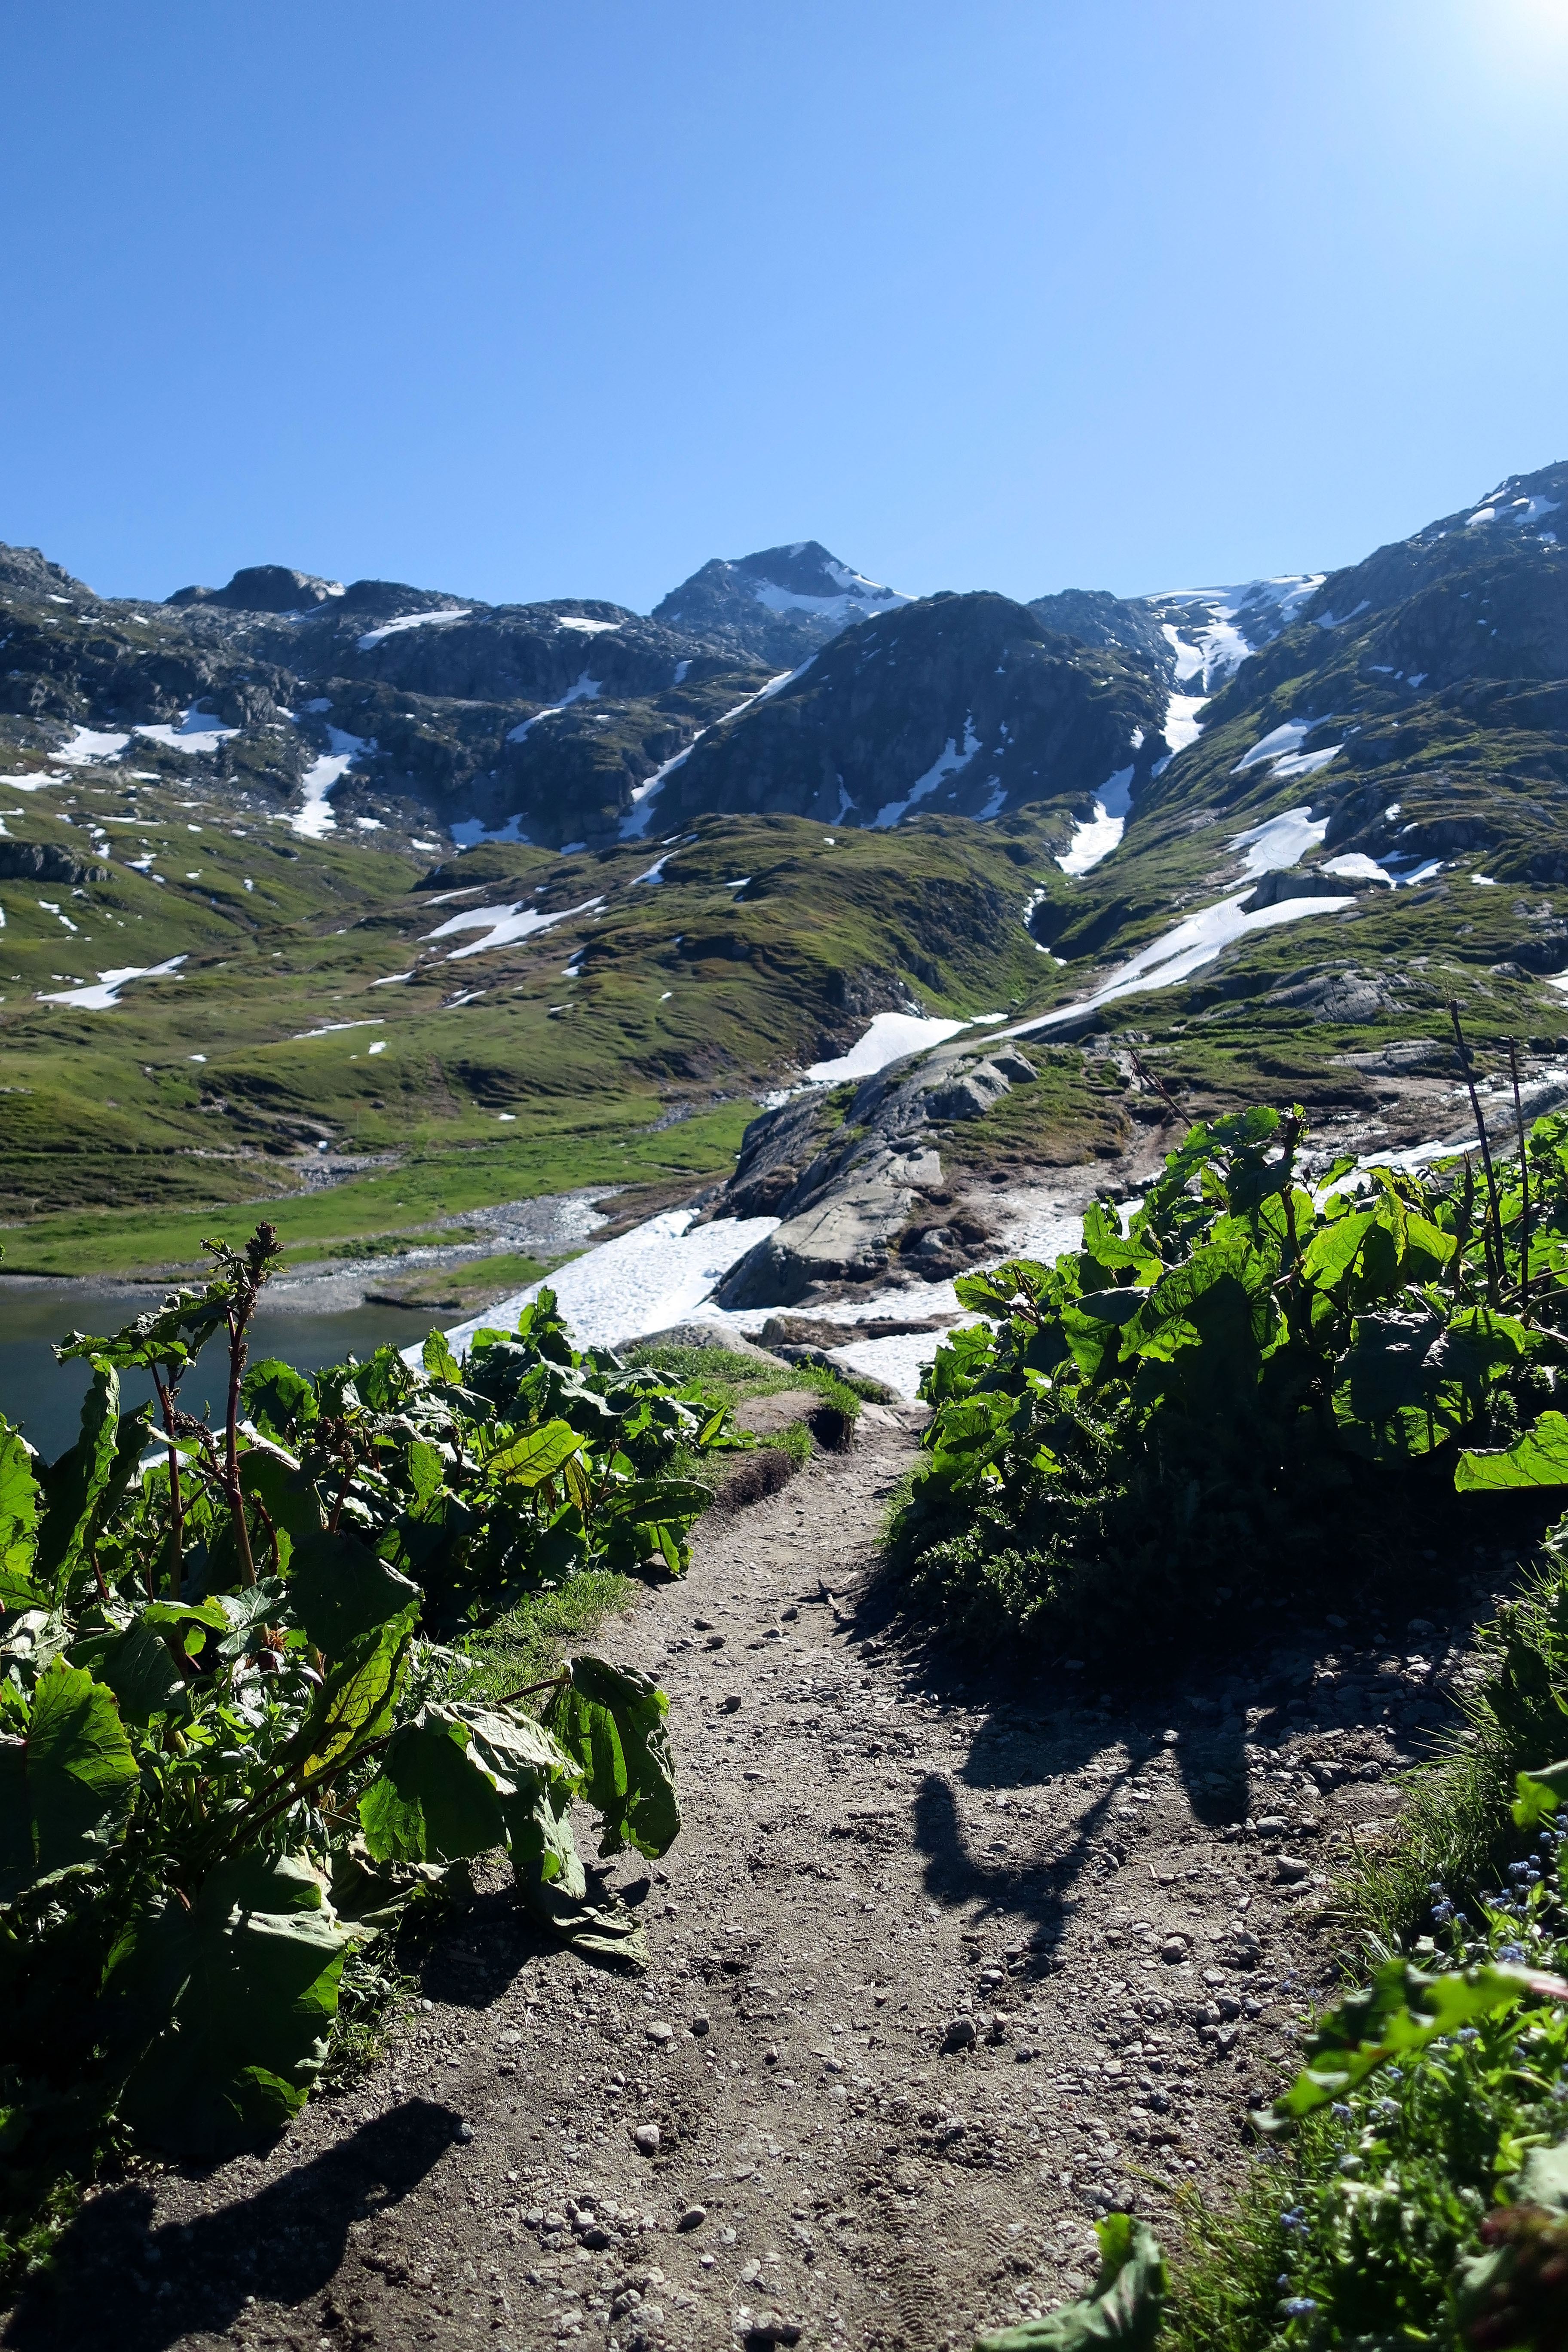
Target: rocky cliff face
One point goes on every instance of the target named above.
(778, 606)
(958, 704)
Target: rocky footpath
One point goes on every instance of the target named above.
(942, 1970)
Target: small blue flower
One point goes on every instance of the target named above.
(1283, 2279)
(1435, 1888)
(1511, 1951)
(1299, 2305)
(1468, 2033)
(1392, 2074)
(1442, 1913)
(1294, 2218)
(1339, 2108)
(1518, 1869)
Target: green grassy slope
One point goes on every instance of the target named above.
(475, 1077)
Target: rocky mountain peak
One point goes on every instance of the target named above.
(264, 588)
(777, 605)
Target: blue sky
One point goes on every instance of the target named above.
(524, 300)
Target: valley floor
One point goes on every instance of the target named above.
(938, 1973)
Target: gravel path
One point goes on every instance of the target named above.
(936, 1976)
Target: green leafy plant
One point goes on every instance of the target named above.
(234, 1750)
(1237, 1367)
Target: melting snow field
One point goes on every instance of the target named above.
(1280, 841)
(657, 1274)
(584, 690)
(890, 1037)
(198, 732)
(947, 764)
(1177, 953)
(1096, 837)
(502, 925)
(105, 995)
(89, 744)
(315, 819)
(861, 598)
(635, 822)
(373, 637)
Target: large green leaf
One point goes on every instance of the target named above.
(439, 1361)
(357, 1700)
(1125, 2306)
(231, 2002)
(1390, 1399)
(77, 1482)
(535, 1457)
(1539, 1458)
(612, 1720)
(138, 1667)
(18, 1522)
(538, 1455)
(67, 1787)
(340, 1591)
(667, 1499)
(1400, 2011)
(456, 1781)
(277, 1398)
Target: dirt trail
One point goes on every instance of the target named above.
(934, 1978)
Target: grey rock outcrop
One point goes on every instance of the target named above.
(43, 861)
(863, 1201)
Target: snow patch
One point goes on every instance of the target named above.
(105, 995)
(588, 628)
(635, 822)
(1095, 837)
(471, 830)
(947, 764)
(1279, 841)
(1177, 953)
(88, 745)
(502, 925)
(373, 637)
(1275, 744)
(655, 1274)
(584, 690)
(198, 732)
(315, 819)
(890, 1037)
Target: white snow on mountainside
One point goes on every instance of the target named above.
(850, 597)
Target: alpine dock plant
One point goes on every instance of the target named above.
(237, 1741)
(1256, 1358)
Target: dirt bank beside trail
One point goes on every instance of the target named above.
(934, 1978)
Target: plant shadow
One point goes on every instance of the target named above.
(117, 2274)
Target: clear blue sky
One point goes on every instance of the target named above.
(522, 300)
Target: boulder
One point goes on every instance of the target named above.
(45, 861)
(847, 1238)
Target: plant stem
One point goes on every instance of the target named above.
(176, 1509)
(1524, 1184)
(238, 1316)
(1492, 1272)
(556, 1682)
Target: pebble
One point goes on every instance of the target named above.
(960, 2034)
(1291, 1868)
(658, 2032)
(693, 2218)
(646, 2136)
(1271, 1825)
(701, 2023)
(464, 2132)
(731, 1706)
(1173, 1950)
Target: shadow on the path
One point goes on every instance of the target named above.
(118, 2279)
(1266, 1685)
